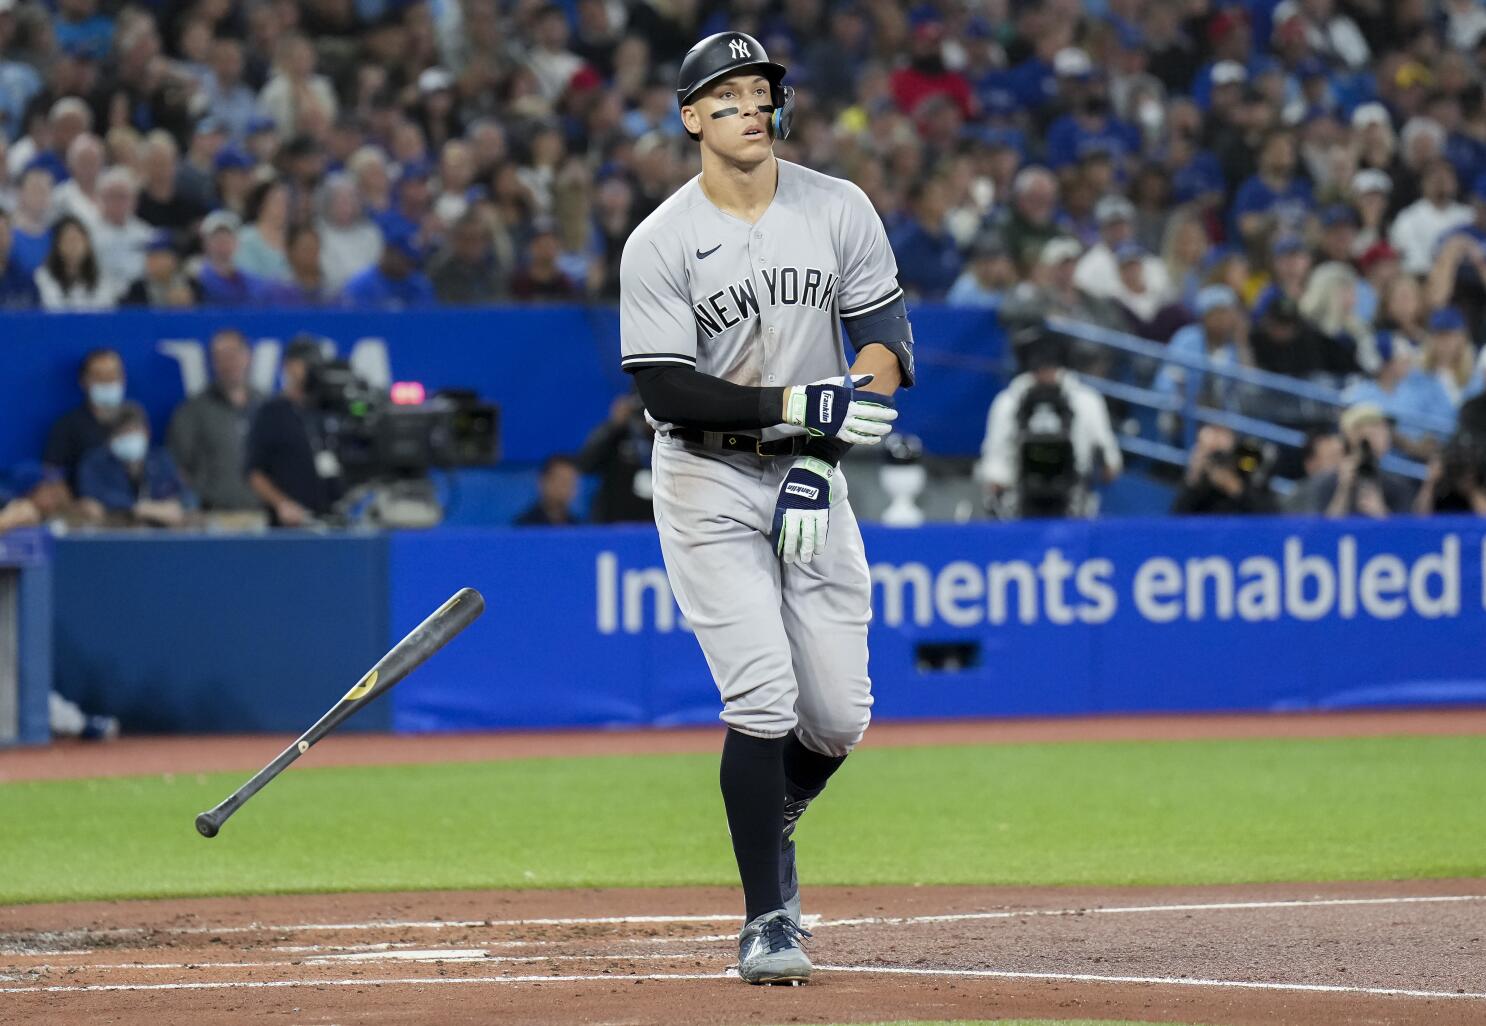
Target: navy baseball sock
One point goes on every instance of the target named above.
(752, 780)
(805, 776)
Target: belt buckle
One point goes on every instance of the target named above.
(758, 447)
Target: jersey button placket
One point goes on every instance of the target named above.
(771, 334)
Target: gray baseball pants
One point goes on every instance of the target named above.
(787, 645)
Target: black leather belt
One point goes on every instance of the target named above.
(731, 441)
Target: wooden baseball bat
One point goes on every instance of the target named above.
(405, 657)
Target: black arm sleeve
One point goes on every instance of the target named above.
(686, 397)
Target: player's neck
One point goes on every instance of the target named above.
(742, 192)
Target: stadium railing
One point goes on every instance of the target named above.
(1267, 406)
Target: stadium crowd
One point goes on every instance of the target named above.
(1297, 186)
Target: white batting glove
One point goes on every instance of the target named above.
(802, 514)
(835, 409)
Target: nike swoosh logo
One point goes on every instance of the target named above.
(704, 256)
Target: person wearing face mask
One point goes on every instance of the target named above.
(86, 427)
(127, 482)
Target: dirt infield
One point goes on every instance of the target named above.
(144, 755)
(1400, 953)
(1304, 954)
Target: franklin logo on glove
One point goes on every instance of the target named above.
(866, 416)
(803, 491)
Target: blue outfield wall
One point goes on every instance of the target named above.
(221, 634)
(525, 358)
(1060, 617)
(183, 633)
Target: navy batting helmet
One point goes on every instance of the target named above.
(725, 53)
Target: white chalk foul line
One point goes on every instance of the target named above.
(440, 924)
(1218, 906)
(466, 924)
(432, 955)
(1171, 981)
(412, 981)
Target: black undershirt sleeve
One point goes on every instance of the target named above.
(686, 397)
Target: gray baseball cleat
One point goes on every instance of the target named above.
(769, 950)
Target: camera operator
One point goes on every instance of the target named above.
(618, 451)
(289, 465)
(1224, 476)
(1047, 437)
(1457, 477)
(1357, 487)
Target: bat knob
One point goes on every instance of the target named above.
(206, 826)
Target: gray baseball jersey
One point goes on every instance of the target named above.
(760, 305)
(754, 304)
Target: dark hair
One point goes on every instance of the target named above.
(305, 348)
(1313, 438)
(257, 197)
(298, 231)
(92, 356)
(88, 272)
(236, 333)
(129, 414)
(557, 459)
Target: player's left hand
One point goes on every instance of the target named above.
(839, 408)
(802, 513)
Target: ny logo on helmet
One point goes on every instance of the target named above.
(739, 49)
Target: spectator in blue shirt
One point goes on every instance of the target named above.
(228, 100)
(1291, 265)
(81, 31)
(1220, 335)
(17, 288)
(928, 259)
(128, 481)
(19, 82)
(31, 220)
(394, 280)
(1087, 126)
(989, 276)
(1276, 200)
(410, 203)
(1405, 391)
(222, 282)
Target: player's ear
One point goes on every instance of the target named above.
(691, 119)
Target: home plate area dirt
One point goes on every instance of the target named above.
(1403, 952)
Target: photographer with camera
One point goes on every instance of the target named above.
(1048, 437)
(290, 468)
(1358, 487)
(1457, 478)
(1457, 475)
(1224, 476)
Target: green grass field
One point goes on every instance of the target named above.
(1115, 813)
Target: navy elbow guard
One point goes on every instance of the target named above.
(884, 322)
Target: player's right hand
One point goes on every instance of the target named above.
(835, 409)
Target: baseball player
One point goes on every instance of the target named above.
(733, 294)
